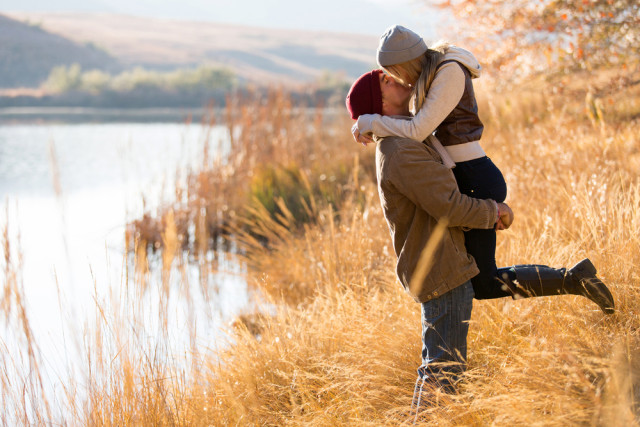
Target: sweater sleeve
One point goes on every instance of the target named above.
(432, 187)
(443, 96)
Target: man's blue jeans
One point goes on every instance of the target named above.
(445, 324)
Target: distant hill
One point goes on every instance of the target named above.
(255, 54)
(29, 52)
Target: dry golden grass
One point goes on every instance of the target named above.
(337, 342)
(547, 361)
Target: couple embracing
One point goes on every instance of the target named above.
(436, 183)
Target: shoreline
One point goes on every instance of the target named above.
(34, 115)
(47, 115)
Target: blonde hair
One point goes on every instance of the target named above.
(419, 72)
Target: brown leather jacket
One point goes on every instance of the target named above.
(416, 190)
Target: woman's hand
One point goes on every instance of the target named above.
(358, 137)
(506, 217)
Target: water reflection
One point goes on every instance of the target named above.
(72, 240)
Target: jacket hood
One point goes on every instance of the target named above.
(464, 57)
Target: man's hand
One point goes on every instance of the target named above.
(362, 139)
(506, 217)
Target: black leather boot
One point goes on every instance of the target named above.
(525, 281)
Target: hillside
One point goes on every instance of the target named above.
(28, 53)
(255, 54)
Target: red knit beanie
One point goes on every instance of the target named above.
(365, 96)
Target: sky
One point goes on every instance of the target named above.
(354, 16)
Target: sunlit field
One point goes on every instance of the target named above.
(334, 340)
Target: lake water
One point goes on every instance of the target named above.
(67, 192)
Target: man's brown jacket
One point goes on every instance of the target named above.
(416, 191)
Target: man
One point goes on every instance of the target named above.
(418, 192)
(426, 214)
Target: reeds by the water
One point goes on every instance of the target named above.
(335, 341)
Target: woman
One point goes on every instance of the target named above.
(444, 103)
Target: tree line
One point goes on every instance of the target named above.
(71, 86)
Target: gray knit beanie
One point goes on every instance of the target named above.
(399, 44)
